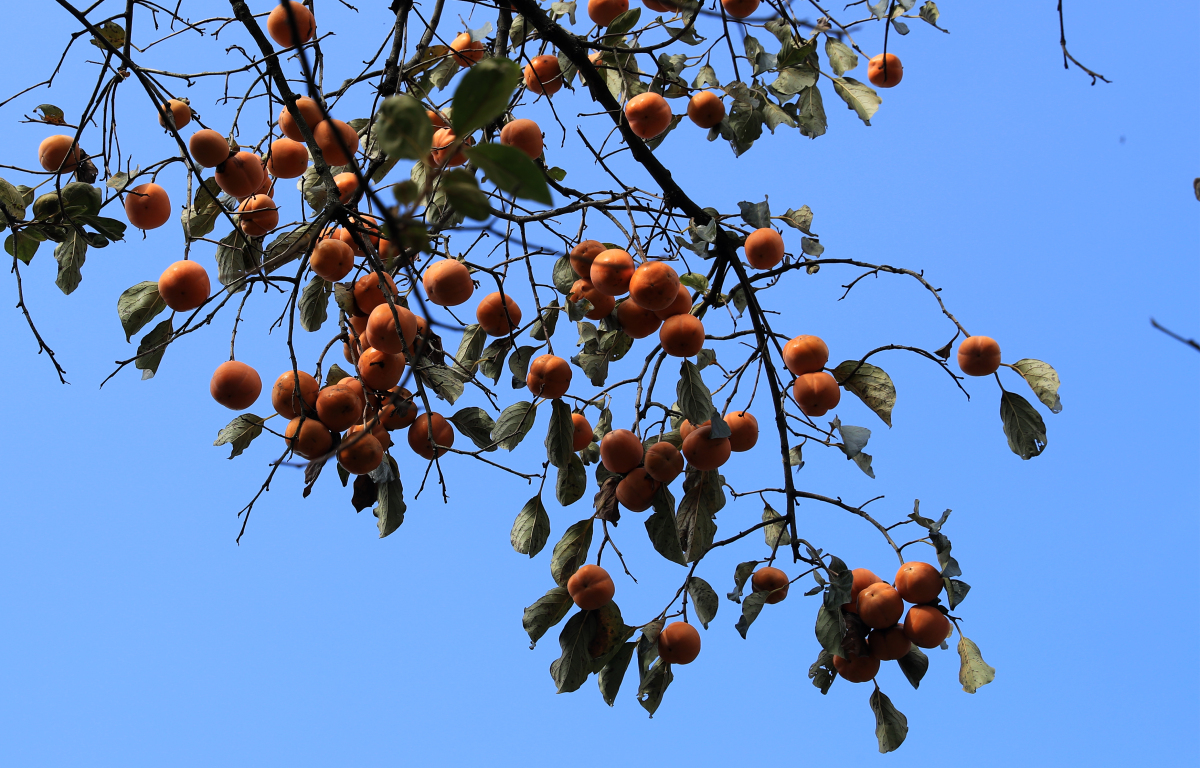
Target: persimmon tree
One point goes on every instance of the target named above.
(645, 362)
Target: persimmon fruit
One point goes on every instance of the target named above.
(602, 12)
(889, 643)
(549, 377)
(525, 135)
(285, 400)
(498, 314)
(703, 451)
(280, 24)
(381, 329)
(543, 75)
(443, 140)
(856, 669)
(744, 430)
(467, 52)
(681, 335)
(663, 462)
(918, 582)
(448, 283)
(771, 580)
(339, 407)
(862, 578)
(678, 643)
(307, 437)
(360, 454)
(184, 286)
(331, 260)
(602, 303)
(582, 436)
(926, 626)
(740, 9)
(620, 451)
(885, 70)
(241, 175)
(681, 306)
(879, 606)
(399, 410)
(368, 294)
(591, 587)
(181, 113)
(309, 110)
(235, 385)
(147, 206)
(706, 109)
(209, 148)
(418, 435)
(583, 255)
(654, 285)
(979, 356)
(612, 271)
(59, 154)
(805, 354)
(637, 321)
(636, 490)
(288, 159)
(337, 140)
(648, 114)
(764, 248)
(257, 215)
(380, 370)
(816, 393)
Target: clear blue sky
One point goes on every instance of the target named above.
(1057, 217)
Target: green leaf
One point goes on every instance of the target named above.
(660, 527)
(800, 219)
(403, 129)
(335, 375)
(545, 324)
(518, 365)
(839, 588)
(1023, 425)
(775, 116)
(654, 683)
(111, 31)
(463, 193)
(702, 499)
(810, 112)
(514, 423)
(751, 607)
(695, 400)
(545, 613)
(696, 282)
(139, 305)
(110, 228)
(314, 304)
(707, 76)
(704, 599)
(872, 385)
(891, 726)
(830, 630)
(470, 348)
(237, 256)
(491, 360)
(973, 671)
(571, 482)
(929, 13)
(483, 95)
(23, 244)
(956, 592)
(564, 275)
(560, 435)
(741, 575)
(776, 535)
(624, 22)
(531, 528)
(147, 362)
(757, 215)
(444, 382)
(199, 218)
(291, 245)
(841, 58)
(859, 97)
(572, 668)
(70, 253)
(1043, 380)
(390, 509)
(822, 672)
(475, 424)
(611, 634)
(240, 432)
(614, 672)
(12, 204)
(511, 170)
(914, 665)
(571, 551)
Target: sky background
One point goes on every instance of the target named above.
(1057, 217)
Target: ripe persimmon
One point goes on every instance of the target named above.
(307, 437)
(885, 70)
(543, 75)
(377, 432)
(706, 109)
(235, 385)
(331, 260)
(448, 283)
(443, 140)
(602, 12)
(591, 587)
(918, 582)
(285, 400)
(498, 314)
(418, 435)
(583, 255)
(288, 159)
(381, 329)
(59, 154)
(879, 606)
(611, 271)
(764, 248)
(347, 184)
(368, 294)
(744, 430)
(740, 9)
(398, 409)
(620, 451)
(280, 24)
(681, 335)
(862, 578)
(268, 184)
(309, 110)
(549, 377)
(147, 206)
(257, 215)
(654, 285)
(856, 669)
(582, 436)
(241, 175)
(180, 112)
(678, 643)
(979, 356)
(663, 462)
(337, 140)
(209, 148)
(805, 354)
(681, 306)
(926, 626)
(525, 135)
(602, 303)
(467, 52)
(686, 428)
(770, 580)
(380, 370)
(184, 286)
(437, 119)
(637, 321)
(363, 228)
(816, 393)
(889, 643)
(360, 453)
(703, 451)
(355, 386)
(339, 407)
(648, 114)
(636, 490)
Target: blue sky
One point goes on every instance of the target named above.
(1055, 216)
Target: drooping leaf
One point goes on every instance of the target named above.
(829, 629)
(704, 599)
(841, 58)
(403, 129)
(571, 551)
(546, 612)
(741, 575)
(1023, 425)
(70, 253)
(614, 672)
(571, 482)
(1043, 380)
(660, 527)
(199, 218)
(531, 528)
(702, 499)
(891, 726)
(240, 432)
(777, 535)
(514, 423)
(475, 424)
(653, 686)
(695, 400)
(148, 356)
(859, 97)
(483, 94)
(511, 170)
(390, 509)
(139, 305)
(572, 668)
(810, 112)
(973, 671)
(914, 665)
(751, 607)
(314, 303)
(822, 672)
(872, 385)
